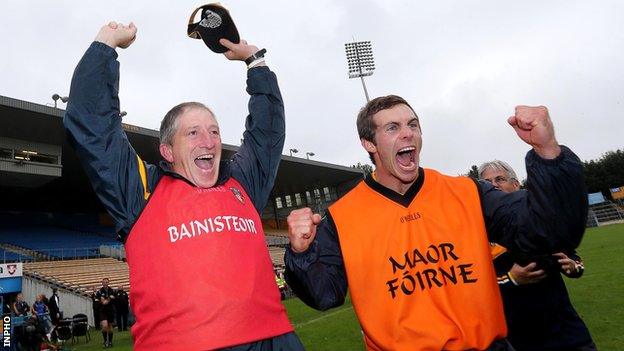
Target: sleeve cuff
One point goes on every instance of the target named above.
(533, 157)
(103, 49)
(512, 279)
(260, 80)
(300, 260)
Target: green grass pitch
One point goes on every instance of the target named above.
(598, 297)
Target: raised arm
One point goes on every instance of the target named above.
(550, 216)
(94, 129)
(256, 162)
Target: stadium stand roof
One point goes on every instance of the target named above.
(23, 120)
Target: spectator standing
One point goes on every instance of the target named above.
(96, 306)
(54, 303)
(122, 308)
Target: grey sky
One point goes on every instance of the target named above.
(462, 65)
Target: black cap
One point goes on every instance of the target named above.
(215, 23)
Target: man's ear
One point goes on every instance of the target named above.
(166, 152)
(368, 146)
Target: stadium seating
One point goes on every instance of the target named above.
(604, 213)
(55, 242)
(277, 255)
(276, 236)
(81, 275)
(10, 256)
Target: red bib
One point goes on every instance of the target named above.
(200, 273)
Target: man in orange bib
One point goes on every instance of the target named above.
(412, 244)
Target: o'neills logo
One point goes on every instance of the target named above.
(433, 267)
(211, 225)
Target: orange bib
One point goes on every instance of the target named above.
(421, 276)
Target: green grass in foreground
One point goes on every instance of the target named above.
(598, 297)
(336, 329)
(122, 341)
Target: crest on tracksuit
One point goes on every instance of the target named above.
(239, 196)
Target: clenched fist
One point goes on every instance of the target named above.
(117, 35)
(533, 126)
(302, 228)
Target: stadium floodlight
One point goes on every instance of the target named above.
(122, 113)
(293, 151)
(56, 97)
(361, 61)
(308, 154)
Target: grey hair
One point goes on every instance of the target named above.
(497, 165)
(169, 124)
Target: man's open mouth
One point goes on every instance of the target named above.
(204, 161)
(406, 157)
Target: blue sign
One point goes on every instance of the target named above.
(595, 198)
(10, 285)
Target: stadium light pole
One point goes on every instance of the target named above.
(57, 97)
(308, 154)
(361, 61)
(293, 151)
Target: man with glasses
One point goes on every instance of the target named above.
(501, 175)
(537, 307)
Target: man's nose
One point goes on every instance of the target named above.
(207, 140)
(407, 132)
(495, 184)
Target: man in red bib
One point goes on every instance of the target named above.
(200, 235)
(412, 245)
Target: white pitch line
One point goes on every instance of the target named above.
(323, 317)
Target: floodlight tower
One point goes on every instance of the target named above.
(361, 61)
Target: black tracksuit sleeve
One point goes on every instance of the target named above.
(95, 131)
(549, 217)
(256, 162)
(318, 275)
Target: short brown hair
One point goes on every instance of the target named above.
(365, 125)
